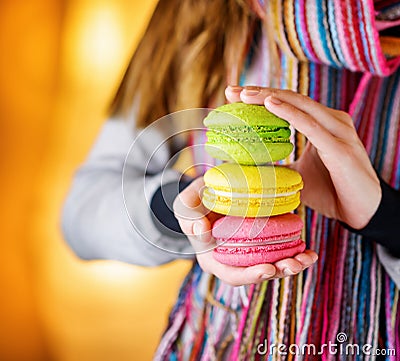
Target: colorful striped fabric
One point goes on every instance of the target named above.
(330, 51)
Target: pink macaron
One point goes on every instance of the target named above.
(250, 241)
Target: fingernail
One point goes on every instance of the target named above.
(288, 272)
(273, 100)
(265, 276)
(197, 229)
(251, 92)
(235, 88)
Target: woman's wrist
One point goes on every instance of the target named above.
(383, 227)
(161, 207)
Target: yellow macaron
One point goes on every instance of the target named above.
(248, 191)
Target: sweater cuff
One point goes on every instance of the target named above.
(383, 227)
(161, 206)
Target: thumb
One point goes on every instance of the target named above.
(201, 229)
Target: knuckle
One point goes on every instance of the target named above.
(313, 124)
(287, 91)
(341, 113)
(304, 98)
(346, 117)
(351, 139)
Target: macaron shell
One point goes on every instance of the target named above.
(249, 153)
(240, 113)
(249, 207)
(232, 177)
(250, 256)
(239, 229)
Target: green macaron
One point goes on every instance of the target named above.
(247, 134)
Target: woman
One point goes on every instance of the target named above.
(329, 51)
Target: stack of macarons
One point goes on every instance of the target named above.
(256, 196)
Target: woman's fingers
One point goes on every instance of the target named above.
(307, 258)
(350, 189)
(337, 122)
(232, 93)
(247, 94)
(235, 276)
(295, 265)
(311, 107)
(192, 215)
(315, 132)
(190, 197)
(309, 118)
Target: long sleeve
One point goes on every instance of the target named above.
(385, 223)
(382, 229)
(107, 212)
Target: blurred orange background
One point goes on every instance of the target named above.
(60, 64)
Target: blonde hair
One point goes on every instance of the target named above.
(189, 52)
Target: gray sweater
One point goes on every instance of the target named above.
(100, 221)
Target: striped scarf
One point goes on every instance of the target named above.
(329, 50)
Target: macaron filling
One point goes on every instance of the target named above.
(220, 193)
(263, 247)
(253, 243)
(259, 240)
(244, 134)
(249, 256)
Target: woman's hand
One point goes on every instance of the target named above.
(196, 222)
(339, 180)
